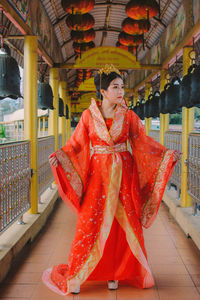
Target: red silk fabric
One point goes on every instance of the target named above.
(84, 184)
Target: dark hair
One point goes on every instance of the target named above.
(103, 81)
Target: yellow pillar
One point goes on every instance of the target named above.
(147, 120)
(62, 91)
(53, 114)
(30, 111)
(135, 98)
(69, 120)
(187, 127)
(164, 118)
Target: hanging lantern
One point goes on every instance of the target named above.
(83, 36)
(82, 47)
(45, 96)
(135, 27)
(143, 9)
(84, 74)
(130, 40)
(9, 76)
(131, 49)
(78, 6)
(61, 108)
(80, 22)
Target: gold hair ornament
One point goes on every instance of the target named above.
(109, 69)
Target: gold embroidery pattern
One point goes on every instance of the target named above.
(118, 123)
(70, 172)
(100, 149)
(151, 206)
(100, 126)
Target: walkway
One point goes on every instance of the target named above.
(174, 259)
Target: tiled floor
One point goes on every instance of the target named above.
(174, 259)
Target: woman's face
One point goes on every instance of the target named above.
(115, 91)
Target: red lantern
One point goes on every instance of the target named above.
(143, 9)
(135, 27)
(80, 22)
(84, 74)
(130, 40)
(77, 6)
(80, 48)
(83, 36)
(131, 49)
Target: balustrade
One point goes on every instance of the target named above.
(15, 181)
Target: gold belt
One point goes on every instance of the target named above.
(104, 149)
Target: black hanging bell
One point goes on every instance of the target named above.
(139, 109)
(185, 88)
(195, 87)
(61, 108)
(154, 106)
(172, 97)
(9, 75)
(45, 96)
(162, 101)
(147, 105)
(67, 112)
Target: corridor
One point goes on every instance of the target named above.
(174, 260)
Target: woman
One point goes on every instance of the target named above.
(113, 192)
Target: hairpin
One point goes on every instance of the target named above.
(109, 69)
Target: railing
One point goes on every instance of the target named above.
(155, 134)
(173, 140)
(46, 146)
(193, 162)
(15, 181)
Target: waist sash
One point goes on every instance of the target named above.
(105, 149)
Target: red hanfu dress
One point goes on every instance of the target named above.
(114, 193)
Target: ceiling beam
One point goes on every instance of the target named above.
(141, 67)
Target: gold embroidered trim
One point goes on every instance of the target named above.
(100, 126)
(70, 172)
(149, 209)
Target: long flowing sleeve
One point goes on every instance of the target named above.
(153, 164)
(72, 170)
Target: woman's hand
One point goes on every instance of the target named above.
(177, 155)
(53, 161)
